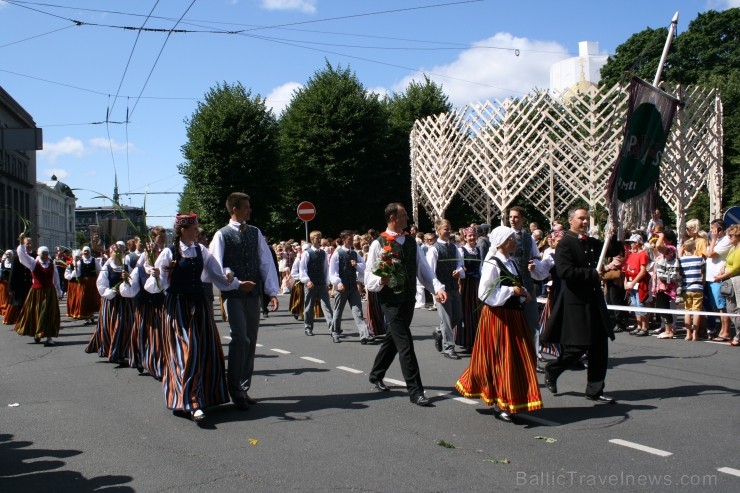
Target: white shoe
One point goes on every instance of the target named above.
(419, 305)
(198, 415)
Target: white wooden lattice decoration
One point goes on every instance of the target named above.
(552, 152)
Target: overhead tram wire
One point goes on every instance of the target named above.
(35, 37)
(285, 26)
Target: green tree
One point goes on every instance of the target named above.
(639, 55)
(232, 147)
(333, 139)
(706, 54)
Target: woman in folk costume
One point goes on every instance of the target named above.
(465, 334)
(112, 336)
(6, 263)
(502, 365)
(146, 336)
(543, 270)
(297, 291)
(86, 301)
(19, 284)
(40, 315)
(73, 285)
(194, 373)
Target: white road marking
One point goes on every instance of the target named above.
(308, 358)
(644, 448)
(347, 368)
(464, 400)
(729, 470)
(281, 351)
(394, 382)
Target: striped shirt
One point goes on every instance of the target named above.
(692, 266)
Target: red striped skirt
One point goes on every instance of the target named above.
(74, 298)
(3, 295)
(374, 315)
(502, 365)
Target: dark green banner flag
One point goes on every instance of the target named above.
(648, 124)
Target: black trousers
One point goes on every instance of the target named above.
(399, 341)
(598, 354)
(615, 295)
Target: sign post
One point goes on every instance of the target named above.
(306, 212)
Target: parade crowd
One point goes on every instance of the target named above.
(520, 300)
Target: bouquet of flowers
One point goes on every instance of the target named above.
(389, 265)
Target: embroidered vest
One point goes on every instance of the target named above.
(242, 257)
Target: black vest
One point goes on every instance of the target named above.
(472, 263)
(521, 258)
(241, 255)
(185, 275)
(145, 296)
(315, 266)
(88, 269)
(347, 273)
(407, 254)
(446, 264)
(507, 279)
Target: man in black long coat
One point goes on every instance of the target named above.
(579, 320)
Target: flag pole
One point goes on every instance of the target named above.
(671, 32)
(609, 230)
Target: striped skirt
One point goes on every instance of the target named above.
(112, 336)
(74, 298)
(552, 348)
(194, 371)
(3, 296)
(374, 315)
(502, 364)
(297, 302)
(146, 342)
(40, 315)
(465, 333)
(90, 302)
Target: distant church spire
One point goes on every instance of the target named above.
(115, 190)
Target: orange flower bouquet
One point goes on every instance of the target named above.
(389, 265)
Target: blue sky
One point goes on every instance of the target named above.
(75, 64)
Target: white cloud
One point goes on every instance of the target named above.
(60, 173)
(65, 147)
(106, 144)
(722, 4)
(380, 91)
(280, 97)
(305, 6)
(484, 73)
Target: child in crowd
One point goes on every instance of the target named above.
(692, 266)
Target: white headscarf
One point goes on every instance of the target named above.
(42, 250)
(500, 234)
(86, 249)
(9, 253)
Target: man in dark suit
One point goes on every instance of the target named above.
(579, 320)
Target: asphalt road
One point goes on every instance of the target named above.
(71, 422)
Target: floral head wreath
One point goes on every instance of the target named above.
(557, 234)
(186, 219)
(468, 231)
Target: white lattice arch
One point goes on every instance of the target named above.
(554, 152)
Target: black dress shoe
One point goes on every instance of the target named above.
(335, 338)
(309, 332)
(552, 385)
(437, 340)
(602, 399)
(249, 400)
(420, 400)
(381, 386)
(451, 354)
(241, 404)
(504, 416)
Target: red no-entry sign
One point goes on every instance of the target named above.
(306, 211)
